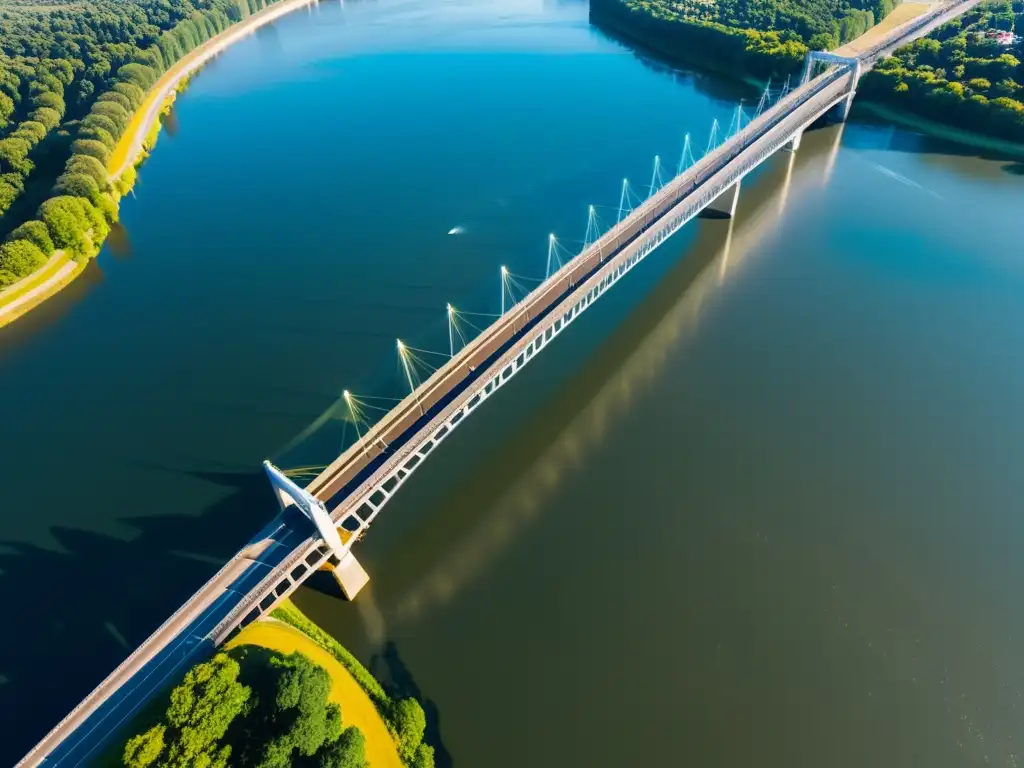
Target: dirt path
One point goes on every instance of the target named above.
(21, 304)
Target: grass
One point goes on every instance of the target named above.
(357, 708)
(288, 613)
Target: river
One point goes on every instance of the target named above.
(760, 506)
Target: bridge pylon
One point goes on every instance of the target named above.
(349, 574)
(841, 111)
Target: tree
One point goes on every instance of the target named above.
(49, 99)
(50, 118)
(92, 148)
(95, 133)
(21, 257)
(134, 94)
(142, 751)
(8, 194)
(410, 723)
(347, 751)
(67, 222)
(78, 185)
(117, 98)
(88, 165)
(31, 131)
(35, 232)
(101, 121)
(14, 155)
(202, 708)
(114, 112)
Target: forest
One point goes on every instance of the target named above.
(763, 38)
(962, 75)
(72, 74)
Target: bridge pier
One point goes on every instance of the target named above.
(794, 142)
(728, 201)
(347, 571)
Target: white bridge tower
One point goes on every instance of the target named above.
(343, 564)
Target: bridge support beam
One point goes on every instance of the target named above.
(794, 142)
(343, 565)
(727, 201)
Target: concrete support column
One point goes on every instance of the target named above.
(794, 142)
(842, 109)
(727, 201)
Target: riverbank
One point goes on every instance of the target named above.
(939, 130)
(29, 292)
(711, 47)
(131, 150)
(130, 146)
(356, 706)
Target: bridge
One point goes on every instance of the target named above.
(344, 500)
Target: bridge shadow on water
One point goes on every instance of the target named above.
(105, 595)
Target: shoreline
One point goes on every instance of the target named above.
(67, 271)
(940, 131)
(131, 148)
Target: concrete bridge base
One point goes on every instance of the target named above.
(350, 575)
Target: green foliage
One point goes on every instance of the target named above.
(424, 757)
(114, 112)
(68, 222)
(21, 257)
(88, 165)
(348, 751)
(820, 24)
(14, 155)
(118, 98)
(35, 232)
(78, 185)
(49, 117)
(31, 131)
(410, 723)
(292, 717)
(252, 708)
(142, 750)
(49, 99)
(65, 60)
(92, 148)
(966, 80)
(133, 93)
(6, 108)
(8, 194)
(292, 616)
(202, 708)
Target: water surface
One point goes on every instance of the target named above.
(758, 507)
